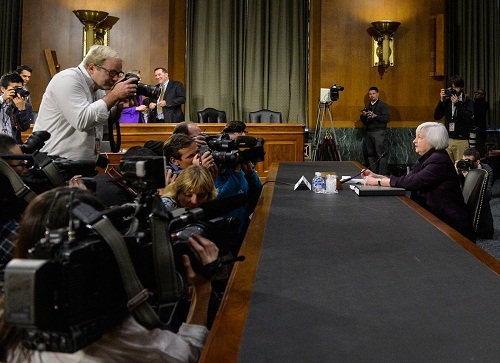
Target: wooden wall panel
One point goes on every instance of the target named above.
(345, 56)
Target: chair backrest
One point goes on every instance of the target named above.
(474, 191)
(211, 115)
(265, 116)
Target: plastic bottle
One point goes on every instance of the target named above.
(331, 184)
(318, 183)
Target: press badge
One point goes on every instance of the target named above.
(451, 127)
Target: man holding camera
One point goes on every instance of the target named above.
(78, 101)
(470, 160)
(239, 178)
(458, 110)
(168, 107)
(375, 117)
(16, 113)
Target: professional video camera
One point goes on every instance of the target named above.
(465, 165)
(334, 92)
(81, 280)
(448, 92)
(233, 152)
(152, 92)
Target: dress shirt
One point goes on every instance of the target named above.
(72, 111)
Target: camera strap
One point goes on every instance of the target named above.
(136, 293)
(163, 258)
(20, 188)
(49, 169)
(114, 120)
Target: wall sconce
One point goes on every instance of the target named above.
(383, 43)
(89, 18)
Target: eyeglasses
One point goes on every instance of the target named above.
(112, 73)
(479, 93)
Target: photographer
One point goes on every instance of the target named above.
(15, 111)
(458, 110)
(241, 178)
(181, 151)
(471, 160)
(128, 341)
(375, 117)
(10, 209)
(78, 101)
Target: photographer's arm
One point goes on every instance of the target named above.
(208, 252)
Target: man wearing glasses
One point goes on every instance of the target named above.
(78, 102)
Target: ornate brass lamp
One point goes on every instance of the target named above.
(103, 29)
(89, 18)
(383, 43)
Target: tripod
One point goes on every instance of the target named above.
(330, 139)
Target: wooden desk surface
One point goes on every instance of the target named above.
(342, 278)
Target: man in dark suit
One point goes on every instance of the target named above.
(168, 107)
(375, 117)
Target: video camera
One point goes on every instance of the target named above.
(46, 171)
(334, 92)
(465, 165)
(233, 152)
(81, 280)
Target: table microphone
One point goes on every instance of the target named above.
(362, 170)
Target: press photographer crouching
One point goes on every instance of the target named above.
(78, 304)
(24, 173)
(235, 153)
(471, 160)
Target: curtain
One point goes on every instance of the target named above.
(473, 28)
(10, 34)
(246, 55)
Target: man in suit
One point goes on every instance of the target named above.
(168, 107)
(375, 117)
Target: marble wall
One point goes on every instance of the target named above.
(399, 143)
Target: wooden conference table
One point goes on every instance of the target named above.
(343, 278)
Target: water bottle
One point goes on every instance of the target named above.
(331, 184)
(318, 183)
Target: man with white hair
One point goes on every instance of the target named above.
(78, 101)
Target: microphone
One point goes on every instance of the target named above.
(210, 210)
(362, 170)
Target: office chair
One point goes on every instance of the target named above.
(265, 116)
(474, 191)
(211, 115)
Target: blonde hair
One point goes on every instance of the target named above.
(97, 54)
(194, 179)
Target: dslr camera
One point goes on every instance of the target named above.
(448, 92)
(152, 92)
(465, 165)
(21, 92)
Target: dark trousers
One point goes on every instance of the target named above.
(375, 147)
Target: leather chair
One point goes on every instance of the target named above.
(265, 116)
(211, 115)
(474, 192)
